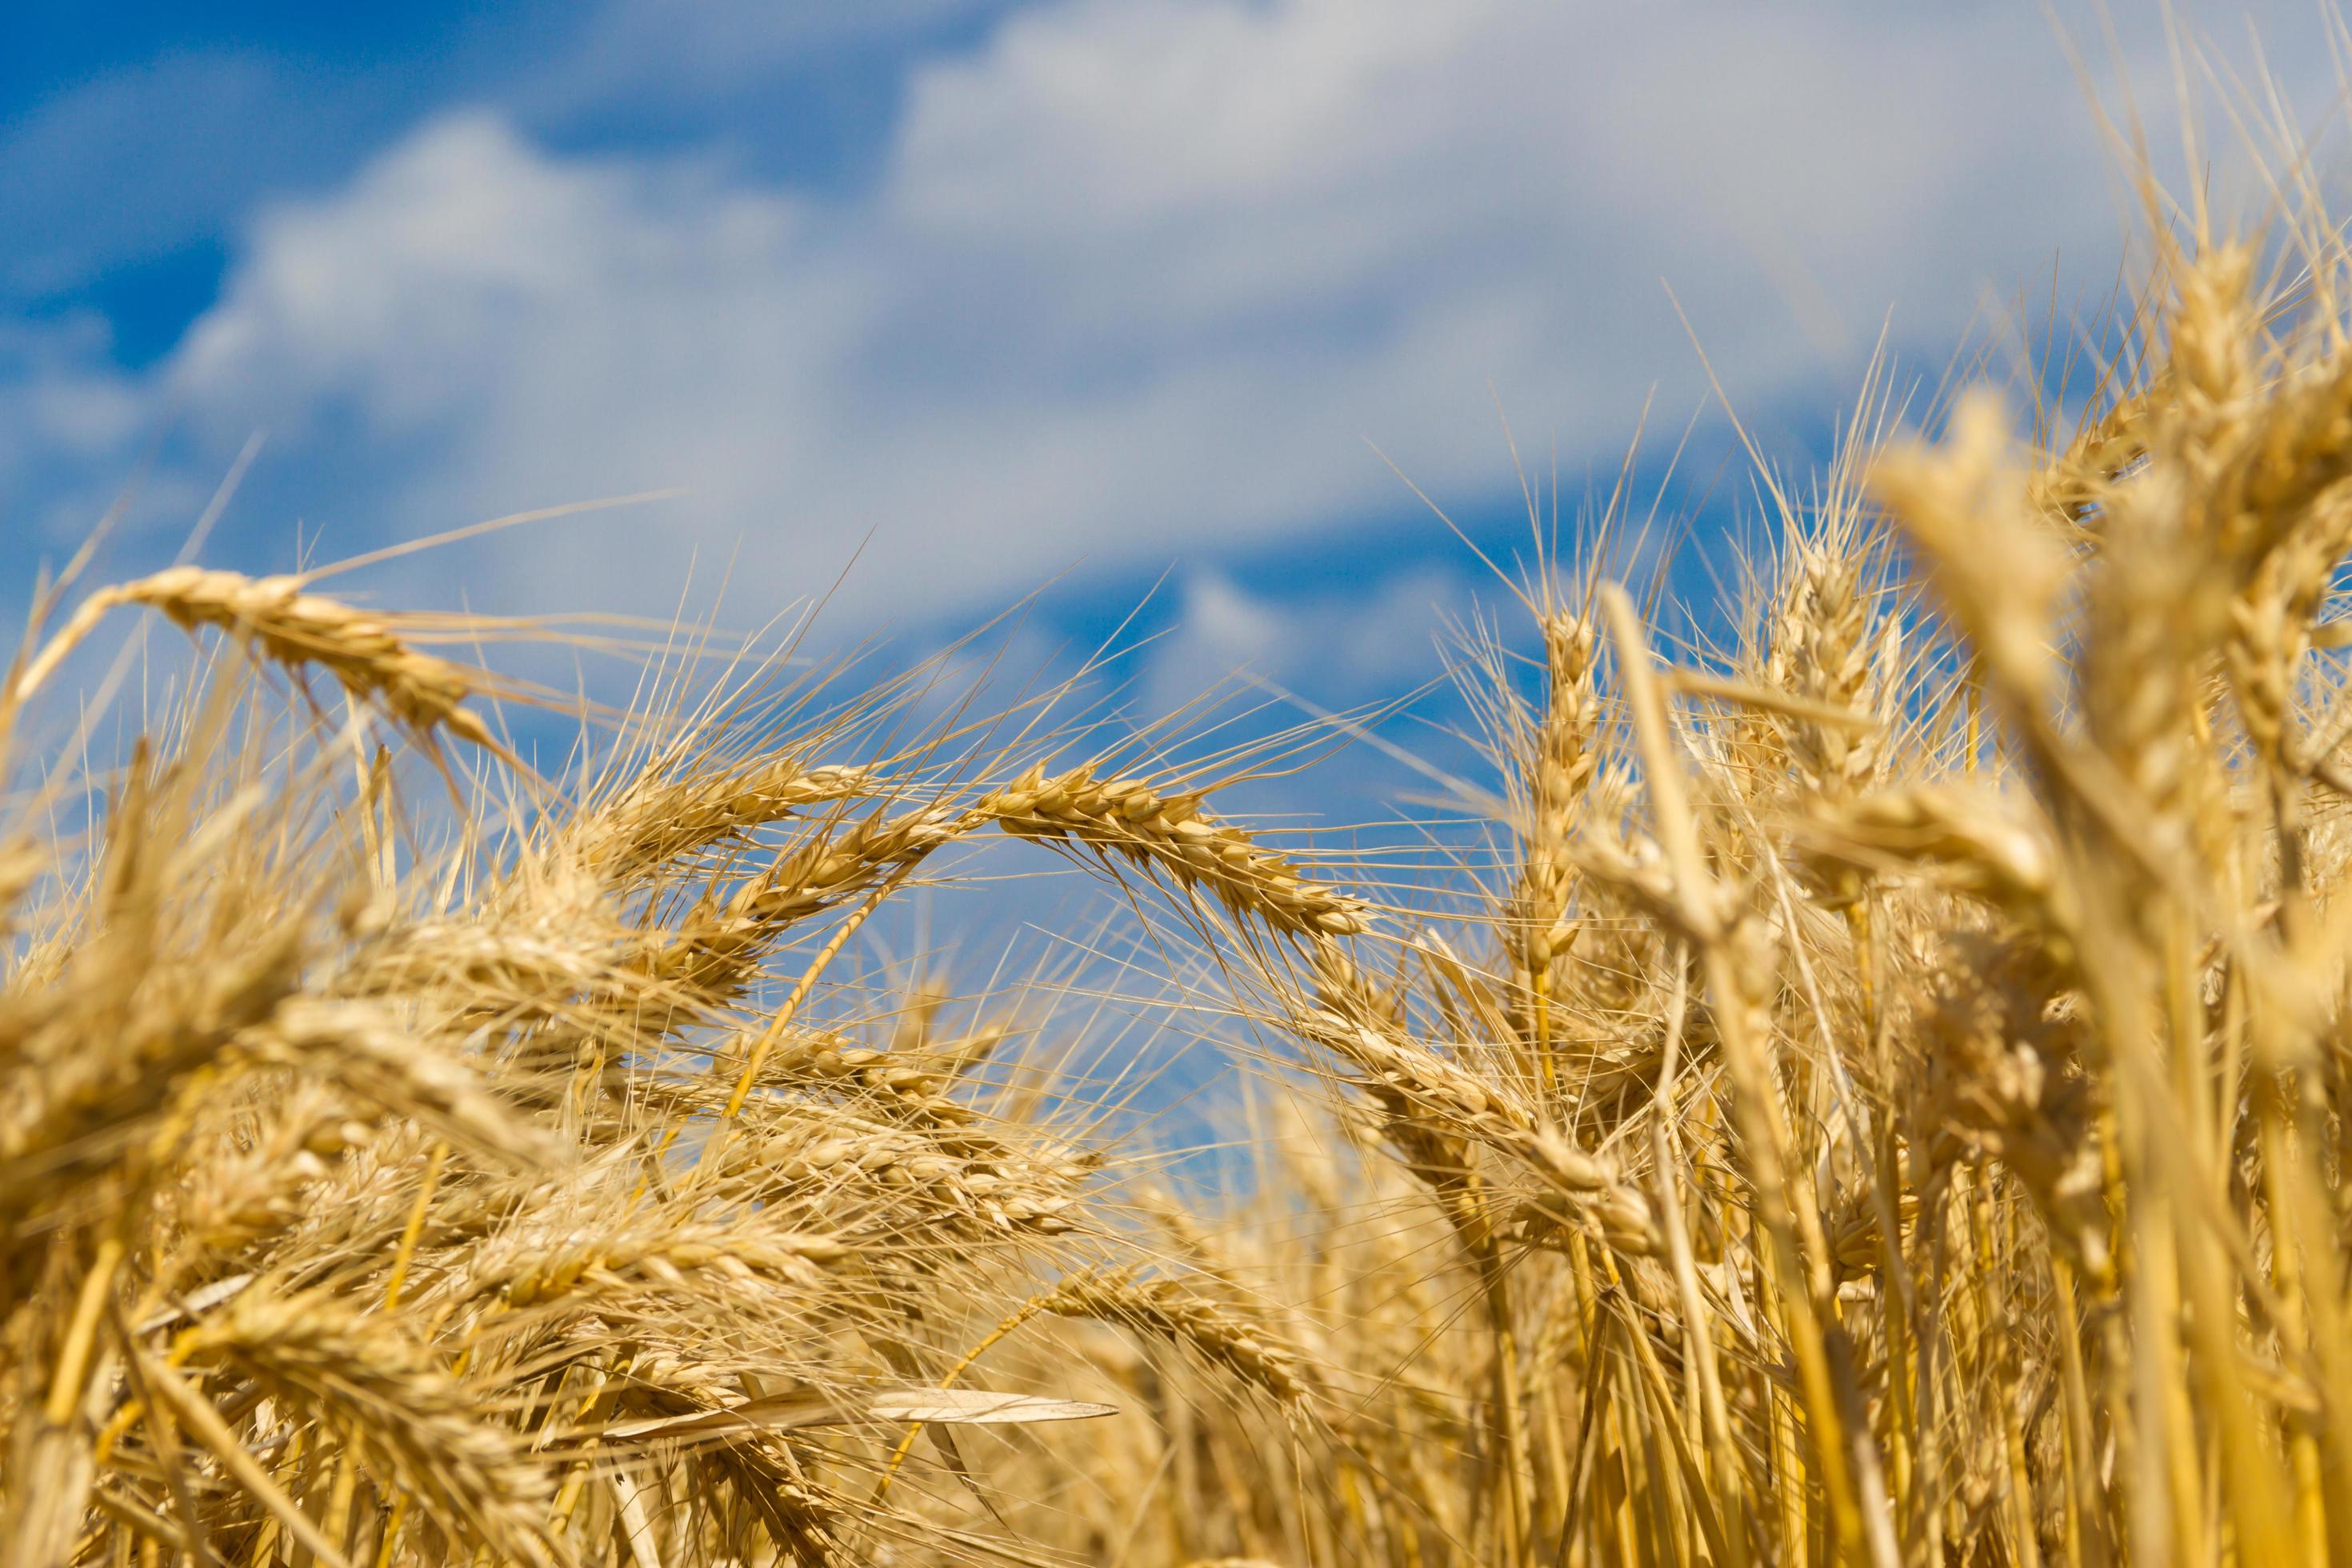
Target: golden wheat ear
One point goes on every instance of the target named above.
(281, 623)
(1163, 1309)
(1172, 835)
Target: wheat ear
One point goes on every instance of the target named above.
(1128, 818)
(1164, 1309)
(293, 628)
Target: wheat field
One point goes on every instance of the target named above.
(1873, 1086)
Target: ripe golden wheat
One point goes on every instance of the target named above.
(1875, 1086)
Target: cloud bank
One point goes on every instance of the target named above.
(1132, 282)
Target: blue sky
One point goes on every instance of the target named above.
(1096, 294)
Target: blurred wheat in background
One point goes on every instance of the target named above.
(1878, 1091)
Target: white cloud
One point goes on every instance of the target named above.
(1135, 279)
(133, 162)
(636, 49)
(1354, 642)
